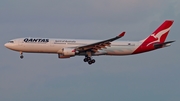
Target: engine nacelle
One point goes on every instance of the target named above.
(63, 56)
(68, 51)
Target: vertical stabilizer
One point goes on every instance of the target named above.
(158, 37)
(160, 34)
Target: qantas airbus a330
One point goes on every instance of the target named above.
(66, 48)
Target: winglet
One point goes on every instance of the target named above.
(122, 34)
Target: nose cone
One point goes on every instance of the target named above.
(6, 45)
(11, 46)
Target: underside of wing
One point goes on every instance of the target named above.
(94, 47)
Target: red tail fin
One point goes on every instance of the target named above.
(160, 34)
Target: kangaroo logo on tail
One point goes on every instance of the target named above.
(159, 35)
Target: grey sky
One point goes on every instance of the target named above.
(152, 76)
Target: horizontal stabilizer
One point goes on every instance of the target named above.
(165, 44)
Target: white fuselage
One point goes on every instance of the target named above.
(66, 48)
(56, 45)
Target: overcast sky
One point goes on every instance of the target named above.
(153, 76)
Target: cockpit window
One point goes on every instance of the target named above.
(11, 41)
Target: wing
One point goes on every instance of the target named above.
(94, 47)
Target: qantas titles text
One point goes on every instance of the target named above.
(43, 40)
(36, 40)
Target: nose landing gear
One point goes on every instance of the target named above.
(21, 55)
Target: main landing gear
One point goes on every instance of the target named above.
(89, 59)
(21, 55)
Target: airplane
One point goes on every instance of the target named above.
(66, 48)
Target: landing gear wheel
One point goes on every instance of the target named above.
(21, 56)
(89, 62)
(85, 59)
(93, 61)
(88, 58)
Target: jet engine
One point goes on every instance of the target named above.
(68, 51)
(63, 56)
